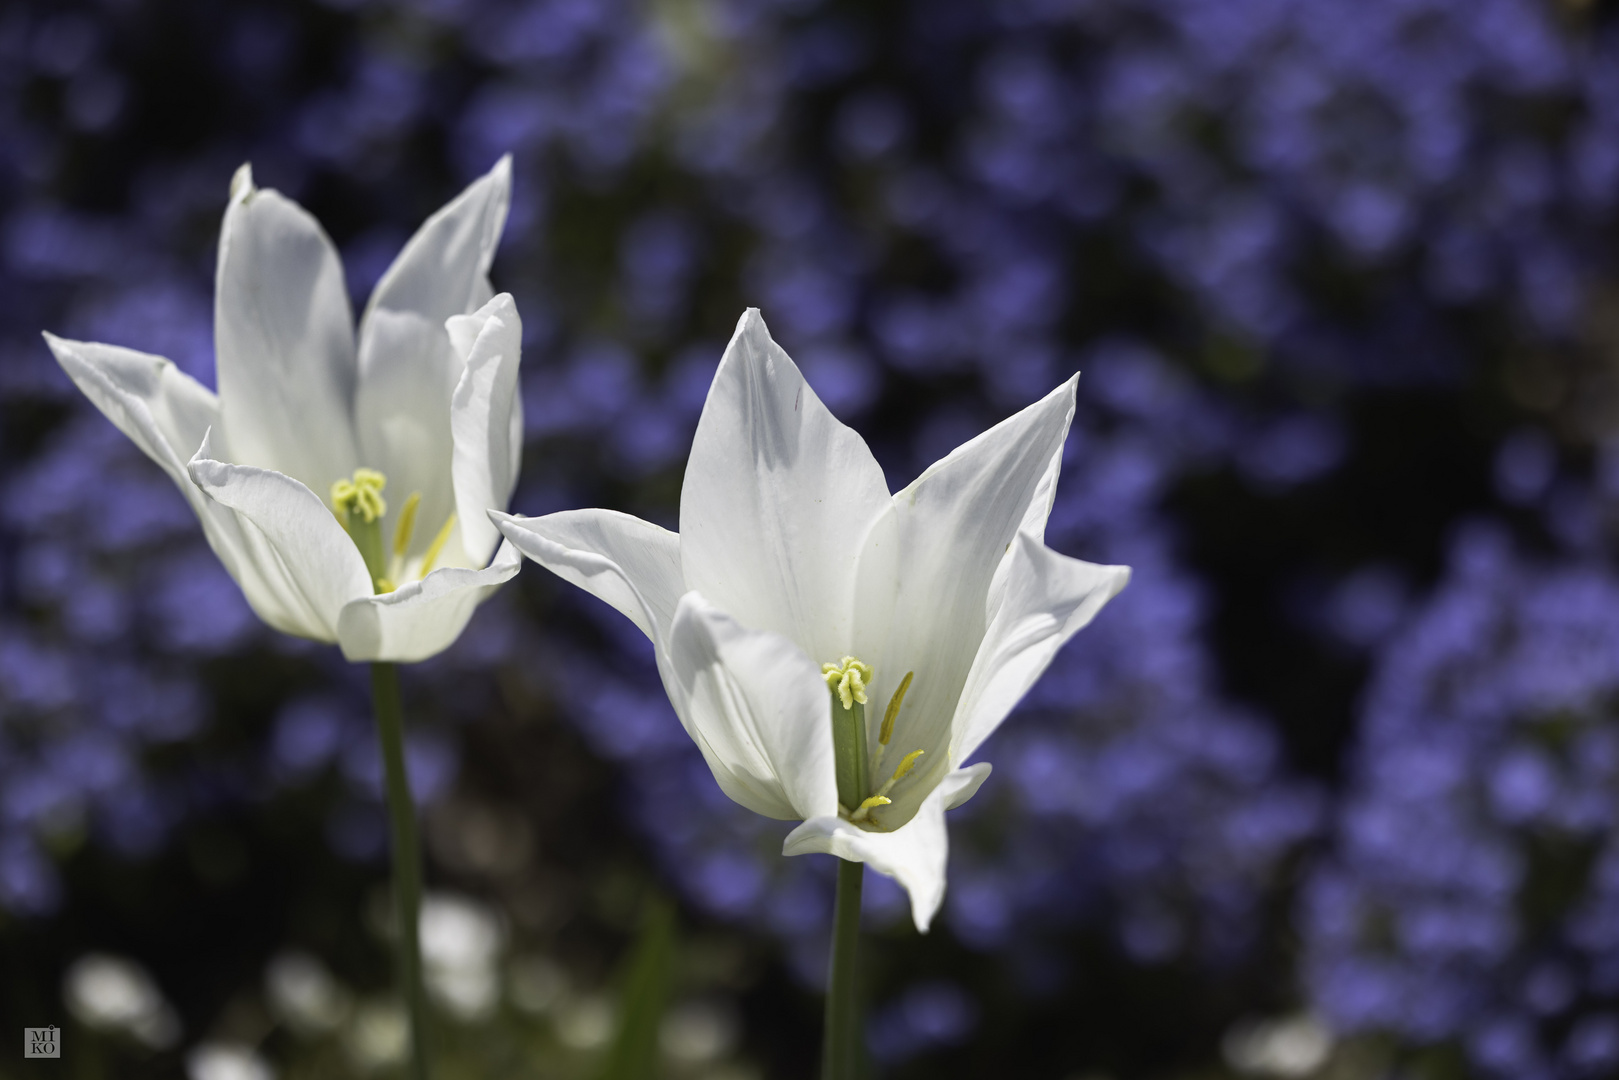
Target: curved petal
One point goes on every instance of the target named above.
(484, 420)
(777, 500)
(290, 538)
(443, 270)
(423, 618)
(631, 564)
(915, 854)
(283, 340)
(407, 369)
(930, 564)
(162, 410)
(757, 709)
(1046, 600)
(402, 414)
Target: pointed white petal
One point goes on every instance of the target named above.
(1047, 599)
(631, 564)
(757, 709)
(915, 854)
(402, 414)
(444, 269)
(290, 540)
(423, 618)
(927, 572)
(488, 443)
(777, 500)
(164, 411)
(284, 341)
(408, 370)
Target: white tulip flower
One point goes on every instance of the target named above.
(795, 571)
(289, 461)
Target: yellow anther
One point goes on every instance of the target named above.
(887, 731)
(362, 495)
(437, 545)
(407, 524)
(907, 763)
(865, 808)
(384, 585)
(848, 678)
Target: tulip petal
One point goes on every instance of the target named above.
(756, 707)
(284, 341)
(407, 369)
(162, 410)
(486, 419)
(777, 500)
(444, 268)
(915, 854)
(290, 538)
(423, 618)
(1047, 599)
(402, 413)
(631, 564)
(929, 566)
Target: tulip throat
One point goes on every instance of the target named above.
(360, 508)
(848, 680)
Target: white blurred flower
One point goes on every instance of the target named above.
(112, 994)
(226, 1061)
(462, 941)
(585, 1023)
(304, 995)
(378, 1035)
(1286, 1047)
(537, 984)
(699, 1032)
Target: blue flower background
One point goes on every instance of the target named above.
(1340, 276)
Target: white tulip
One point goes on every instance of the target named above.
(344, 485)
(795, 570)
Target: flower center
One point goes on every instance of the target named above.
(847, 680)
(360, 508)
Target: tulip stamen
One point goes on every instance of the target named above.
(865, 809)
(906, 764)
(404, 529)
(886, 732)
(437, 545)
(407, 524)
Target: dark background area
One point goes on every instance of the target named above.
(1329, 791)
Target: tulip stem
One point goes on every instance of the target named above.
(841, 1040)
(407, 858)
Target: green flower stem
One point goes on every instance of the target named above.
(841, 1040)
(840, 1046)
(407, 858)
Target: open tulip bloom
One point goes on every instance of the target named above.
(286, 466)
(344, 484)
(837, 652)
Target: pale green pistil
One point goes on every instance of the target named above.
(360, 508)
(848, 680)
